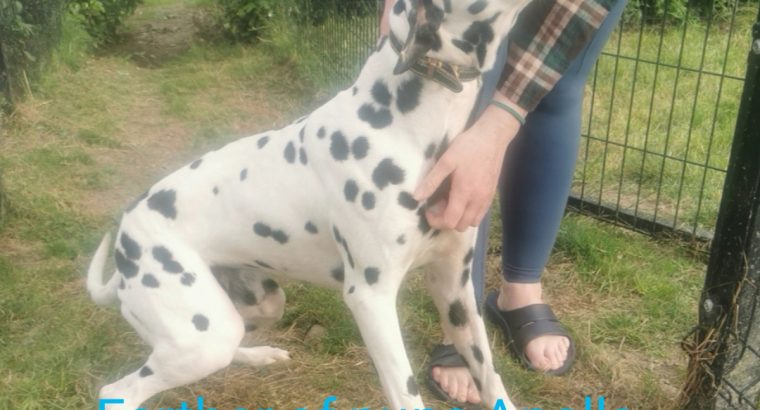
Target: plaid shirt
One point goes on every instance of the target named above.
(547, 36)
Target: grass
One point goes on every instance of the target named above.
(658, 136)
(99, 129)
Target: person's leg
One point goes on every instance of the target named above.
(535, 185)
(536, 179)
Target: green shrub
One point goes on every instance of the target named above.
(102, 18)
(29, 30)
(679, 11)
(250, 20)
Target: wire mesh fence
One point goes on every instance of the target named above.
(659, 117)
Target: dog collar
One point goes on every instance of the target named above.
(446, 74)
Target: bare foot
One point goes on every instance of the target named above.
(545, 353)
(457, 383)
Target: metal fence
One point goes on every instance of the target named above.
(668, 118)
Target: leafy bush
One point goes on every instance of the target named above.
(249, 20)
(101, 18)
(678, 11)
(28, 31)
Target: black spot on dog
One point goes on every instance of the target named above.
(163, 202)
(336, 233)
(262, 229)
(243, 174)
(350, 190)
(200, 322)
(163, 255)
(263, 264)
(468, 257)
(423, 224)
(386, 173)
(125, 266)
(262, 141)
(290, 152)
(381, 93)
(442, 148)
(351, 289)
(368, 200)
(131, 248)
(280, 236)
(216, 190)
(399, 7)
(411, 386)
(447, 6)
(359, 147)
(477, 353)
(463, 45)
(477, 7)
(371, 275)
(338, 146)
(187, 279)
(249, 298)
(250, 327)
(478, 385)
(302, 156)
(122, 285)
(354, 90)
(269, 286)
(348, 252)
(145, 371)
(149, 281)
(196, 164)
(338, 273)
(409, 94)
(401, 240)
(376, 118)
(301, 134)
(430, 151)
(321, 132)
(406, 200)
(465, 276)
(310, 227)
(137, 200)
(457, 314)
(479, 34)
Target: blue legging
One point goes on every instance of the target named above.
(538, 168)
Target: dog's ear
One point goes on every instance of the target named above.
(424, 22)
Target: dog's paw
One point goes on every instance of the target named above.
(260, 355)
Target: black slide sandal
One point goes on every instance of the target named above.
(446, 356)
(522, 325)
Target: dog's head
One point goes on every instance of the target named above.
(461, 32)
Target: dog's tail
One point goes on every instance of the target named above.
(101, 294)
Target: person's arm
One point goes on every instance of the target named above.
(548, 35)
(474, 161)
(384, 26)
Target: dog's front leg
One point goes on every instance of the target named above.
(450, 285)
(374, 309)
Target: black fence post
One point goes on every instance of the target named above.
(724, 370)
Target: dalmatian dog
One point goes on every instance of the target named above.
(326, 200)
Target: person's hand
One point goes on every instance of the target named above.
(473, 160)
(385, 28)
